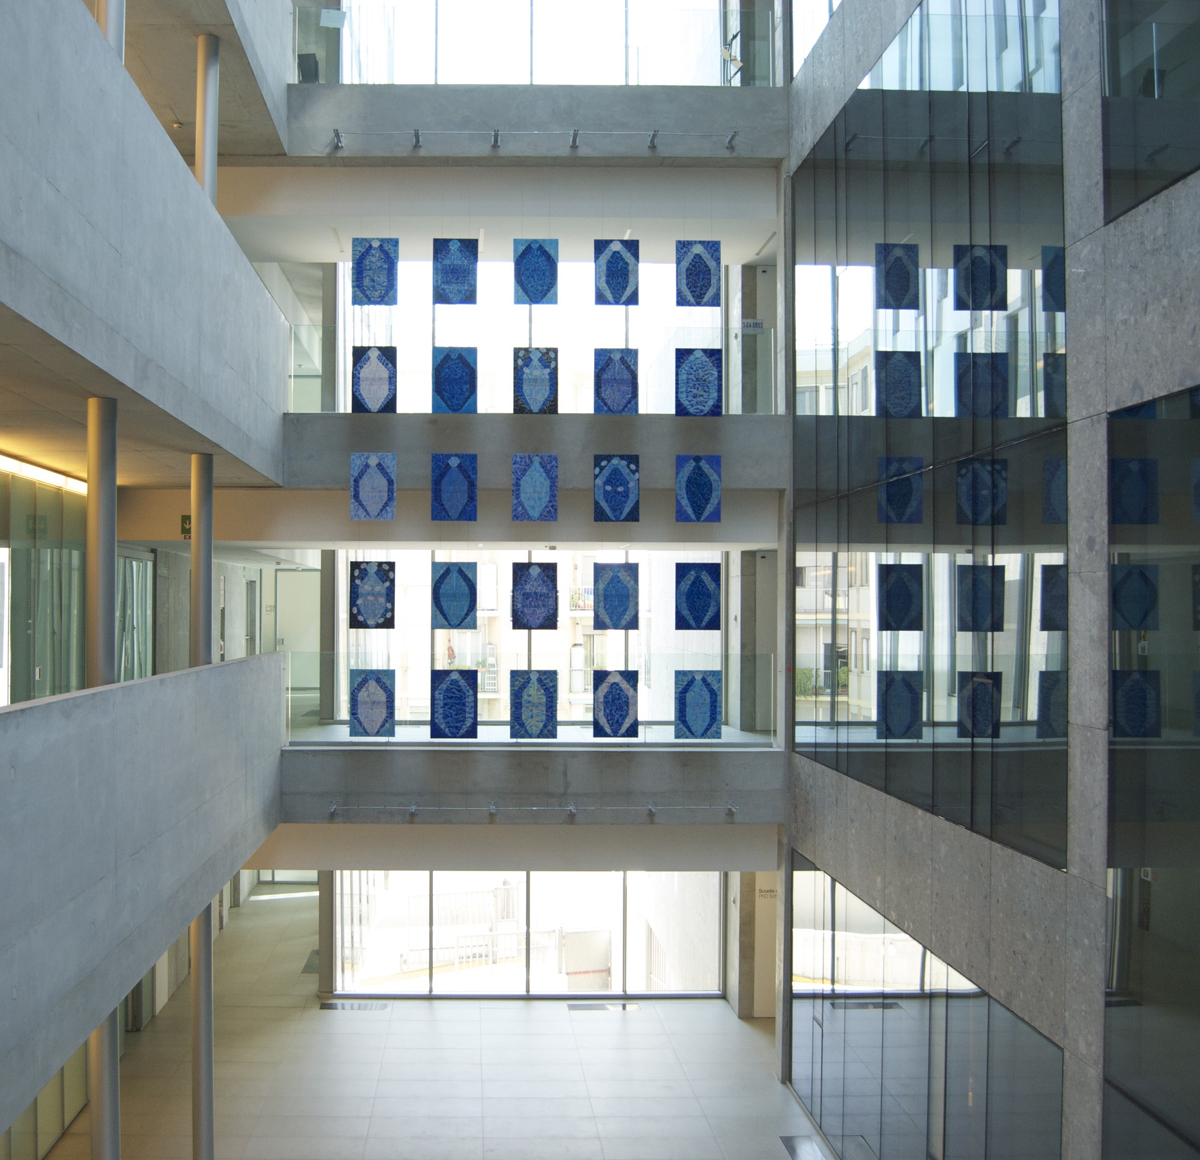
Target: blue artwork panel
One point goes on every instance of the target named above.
(535, 271)
(901, 490)
(616, 272)
(1054, 490)
(373, 380)
(372, 702)
(454, 380)
(697, 489)
(1052, 704)
(698, 596)
(616, 489)
(535, 380)
(454, 595)
(1054, 279)
(1054, 386)
(1136, 703)
(372, 485)
(982, 492)
(535, 488)
(615, 596)
(373, 271)
(697, 273)
(898, 384)
(533, 704)
(1134, 597)
(980, 598)
(535, 596)
(614, 703)
(897, 276)
(698, 704)
(455, 263)
(980, 386)
(454, 704)
(454, 488)
(901, 598)
(1054, 598)
(372, 594)
(698, 382)
(899, 696)
(1137, 411)
(1134, 487)
(980, 277)
(979, 704)
(616, 381)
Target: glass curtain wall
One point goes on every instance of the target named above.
(135, 616)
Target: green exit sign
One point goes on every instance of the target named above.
(185, 526)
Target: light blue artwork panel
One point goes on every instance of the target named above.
(372, 594)
(373, 271)
(982, 492)
(535, 380)
(454, 594)
(1136, 703)
(898, 384)
(698, 705)
(1054, 598)
(901, 490)
(534, 488)
(616, 272)
(698, 597)
(454, 488)
(1054, 279)
(697, 273)
(899, 695)
(698, 382)
(980, 385)
(980, 597)
(533, 704)
(1052, 704)
(697, 489)
(897, 276)
(1133, 484)
(455, 380)
(615, 381)
(1054, 489)
(373, 380)
(980, 277)
(372, 485)
(454, 704)
(901, 598)
(617, 490)
(535, 596)
(615, 597)
(979, 704)
(535, 271)
(372, 702)
(455, 264)
(615, 703)
(1134, 597)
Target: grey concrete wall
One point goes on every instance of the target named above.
(123, 810)
(264, 29)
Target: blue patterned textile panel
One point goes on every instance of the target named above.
(980, 385)
(534, 596)
(898, 384)
(535, 271)
(616, 381)
(533, 704)
(698, 706)
(1134, 597)
(697, 273)
(614, 703)
(1054, 598)
(1052, 704)
(899, 696)
(698, 596)
(616, 272)
(697, 489)
(373, 271)
(901, 490)
(698, 382)
(372, 485)
(982, 494)
(372, 702)
(980, 597)
(1133, 484)
(980, 277)
(979, 704)
(1054, 279)
(615, 596)
(454, 487)
(897, 276)
(535, 488)
(1136, 703)
(372, 594)
(535, 380)
(901, 598)
(1054, 490)
(1054, 385)
(454, 704)
(454, 380)
(454, 594)
(617, 492)
(455, 263)
(373, 380)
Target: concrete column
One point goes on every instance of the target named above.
(110, 15)
(101, 561)
(104, 1088)
(329, 335)
(325, 932)
(208, 73)
(200, 635)
(200, 940)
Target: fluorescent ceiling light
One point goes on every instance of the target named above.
(28, 471)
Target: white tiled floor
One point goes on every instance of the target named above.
(443, 1079)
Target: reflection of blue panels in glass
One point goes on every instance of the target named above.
(616, 272)
(534, 596)
(617, 489)
(454, 488)
(614, 703)
(535, 488)
(1054, 279)
(455, 262)
(533, 704)
(1134, 597)
(454, 594)
(698, 596)
(373, 380)
(698, 705)
(982, 493)
(901, 598)
(697, 489)
(1052, 704)
(535, 380)
(1054, 385)
(454, 703)
(1136, 703)
(454, 380)
(1137, 411)
(980, 277)
(698, 382)
(980, 385)
(535, 271)
(980, 598)
(372, 702)
(372, 485)
(697, 273)
(372, 594)
(898, 384)
(615, 596)
(616, 381)
(897, 276)
(979, 704)
(1134, 487)
(1054, 598)
(1054, 490)
(901, 490)
(373, 271)
(899, 696)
